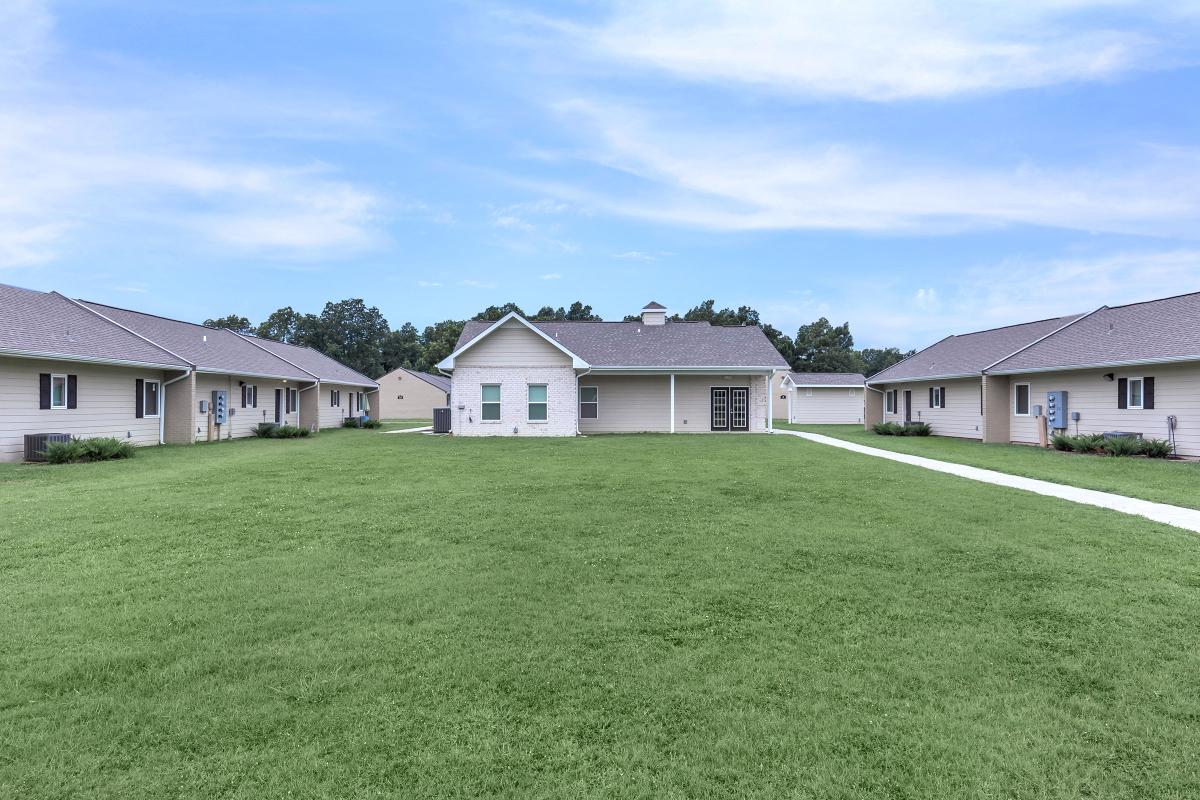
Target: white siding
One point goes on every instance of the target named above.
(512, 345)
(825, 405)
(241, 420)
(332, 415)
(960, 418)
(105, 407)
(1176, 392)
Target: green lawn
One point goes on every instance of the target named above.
(363, 615)
(1174, 482)
(398, 424)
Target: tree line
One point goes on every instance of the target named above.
(361, 338)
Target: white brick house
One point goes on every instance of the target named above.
(514, 377)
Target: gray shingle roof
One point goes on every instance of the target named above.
(438, 381)
(1154, 331)
(46, 323)
(827, 378)
(327, 369)
(969, 353)
(676, 344)
(209, 349)
(653, 306)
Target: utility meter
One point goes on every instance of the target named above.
(220, 406)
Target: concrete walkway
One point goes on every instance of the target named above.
(412, 430)
(1186, 518)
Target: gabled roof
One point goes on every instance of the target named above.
(826, 378)
(610, 345)
(488, 328)
(1156, 331)
(653, 306)
(437, 381)
(209, 349)
(969, 354)
(328, 370)
(50, 325)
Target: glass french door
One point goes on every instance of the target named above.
(730, 408)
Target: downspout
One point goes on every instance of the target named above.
(577, 379)
(162, 412)
(314, 386)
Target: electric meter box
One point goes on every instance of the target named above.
(1056, 410)
(220, 406)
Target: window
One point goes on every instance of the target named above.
(1136, 393)
(58, 391)
(491, 403)
(249, 396)
(1021, 400)
(589, 402)
(889, 401)
(150, 401)
(293, 400)
(537, 402)
(335, 397)
(937, 397)
(808, 392)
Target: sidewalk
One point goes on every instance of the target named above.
(1186, 518)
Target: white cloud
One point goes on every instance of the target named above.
(926, 299)
(886, 49)
(471, 283)
(635, 255)
(72, 170)
(133, 287)
(428, 284)
(733, 179)
(551, 276)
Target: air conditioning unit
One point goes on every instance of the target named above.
(36, 444)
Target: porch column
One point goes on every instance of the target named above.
(672, 402)
(770, 402)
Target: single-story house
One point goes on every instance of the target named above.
(518, 377)
(91, 370)
(942, 384)
(411, 394)
(820, 398)
(1132, 368)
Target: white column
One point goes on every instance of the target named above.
(770, 402)
(672, 402)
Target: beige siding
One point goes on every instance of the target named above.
(513, 345)
(1176, 392)
(996, 409)
(105, 404)
(826, 405)
(779, 396)
(693, 401)
(331, 415)
(242, 420)
(178, 399)
(405, 396)
(960, 418)
(629, 404)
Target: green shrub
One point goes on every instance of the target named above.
(915, 429)
(264, 430)
(1063, 442)
(888, 429)
(1157, 448)
(353, 422)
(289, 432)
(373, 424)
(86, 450)
(1122, 446)
(1088, 443)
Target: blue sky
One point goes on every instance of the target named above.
(916, 168)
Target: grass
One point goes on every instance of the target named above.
(363, 615)
(1174, 482)
(399, 424)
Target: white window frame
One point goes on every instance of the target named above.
(595, 402)
(530, 403)
(889, 401)
(1028, 400)
(939, 399)
(498, 403)
(808, 392)
(157, 398)
(66, 386)
(1129, 394)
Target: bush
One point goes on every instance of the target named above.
(269, 430)
(1157, 448)
(353, 422)
(1063, 442)
(1121, 446)
(1087, 443)
(916, 429)
(86, 450)
(887, 429)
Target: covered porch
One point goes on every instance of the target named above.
(661, 401)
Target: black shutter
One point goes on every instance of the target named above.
(72, 390)
(255, 400)
(1148, 393)
(943, 397)
(245, 392)
(44, 390)
(931, 397)
(1122, 393)
(139, 398)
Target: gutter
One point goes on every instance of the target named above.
(162, 412)
(1100, 365)
(117, 362)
